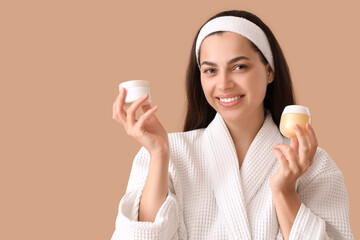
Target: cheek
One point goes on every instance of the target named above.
(208, 91)
(258, 85)
(205, 87)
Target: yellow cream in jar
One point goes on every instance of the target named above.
(294, 114)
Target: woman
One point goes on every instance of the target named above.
(231, 174)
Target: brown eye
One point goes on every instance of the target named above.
(242, 66)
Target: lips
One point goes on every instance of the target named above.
(230, 102)
(229, 98)
(230, 95)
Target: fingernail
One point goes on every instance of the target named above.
(309, 126)
(296, 127)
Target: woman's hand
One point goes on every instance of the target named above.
(147, 130)
(295, 162)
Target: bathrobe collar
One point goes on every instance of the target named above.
(234, 188)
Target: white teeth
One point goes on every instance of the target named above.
(229, 99)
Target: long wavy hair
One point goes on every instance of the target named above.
(279, 93)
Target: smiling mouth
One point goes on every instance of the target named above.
(227, 100)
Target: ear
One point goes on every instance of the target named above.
(269, 73)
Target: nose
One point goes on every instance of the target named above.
(225, 81)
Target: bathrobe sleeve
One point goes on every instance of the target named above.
(324, 210)
(127, 226)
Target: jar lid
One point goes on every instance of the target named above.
(296, 109)
(134, 83)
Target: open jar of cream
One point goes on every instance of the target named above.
(294, 114)
(135, 89)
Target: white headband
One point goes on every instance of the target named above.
(238, 25)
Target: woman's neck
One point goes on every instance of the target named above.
(244, 131)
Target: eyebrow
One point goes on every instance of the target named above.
(229, 62)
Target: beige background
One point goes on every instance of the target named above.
(65, 162)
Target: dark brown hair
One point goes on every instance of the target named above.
(278, 94)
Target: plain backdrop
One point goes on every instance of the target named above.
(65, 162)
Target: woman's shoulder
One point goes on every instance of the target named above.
(179, 142)
(185, 144)
(323, 162)
(323, 166)
(188, 137)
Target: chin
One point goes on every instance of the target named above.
(231, 115)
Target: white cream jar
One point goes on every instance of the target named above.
(135, 89)
(294, 114)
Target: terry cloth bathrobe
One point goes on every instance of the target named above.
(210, 197)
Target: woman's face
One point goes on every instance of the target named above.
(232, 71)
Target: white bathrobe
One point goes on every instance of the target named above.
(209, 197)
